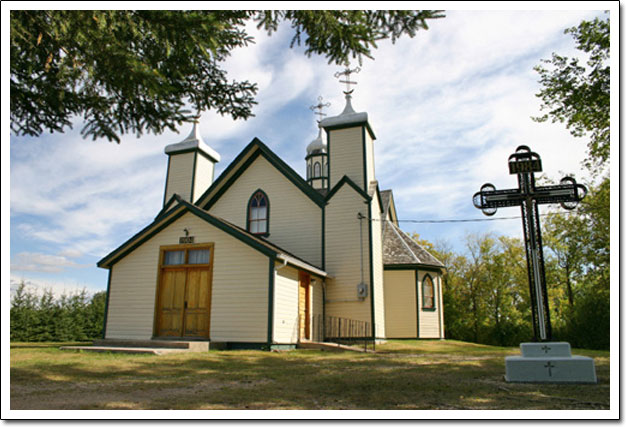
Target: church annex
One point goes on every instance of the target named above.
(261, 257)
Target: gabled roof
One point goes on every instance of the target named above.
(238, 166)
(401, 250)
(166, 218)
(389, 206)
(346, 180)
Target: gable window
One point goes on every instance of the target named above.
(258, 213)
(428, 293)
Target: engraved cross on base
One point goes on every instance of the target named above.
(524, 163)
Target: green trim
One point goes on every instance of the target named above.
(120, 252)
(308, 156)
(196, 150)
(417, 302)
(364, 123)
(324, 238)
(371, 257)
(166, 207)
(106, 305)
(380, 200)
(193, 176)
(267, 231)
(167, 177)
(364, 148)
(432, 268)
(270, 303)
(434, 307)
(439, 313)
(328, 160)
(347, 180)
(272, 158)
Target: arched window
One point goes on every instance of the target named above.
(258, 213)
(317, 170)
(326, 169)
(428, 293)
(308, 170)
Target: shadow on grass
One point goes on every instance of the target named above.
(298, 380)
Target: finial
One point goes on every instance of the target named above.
(320, 105)
(347, 81)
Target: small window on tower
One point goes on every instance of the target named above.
(428, 293)
(317, 170)
(258, 213)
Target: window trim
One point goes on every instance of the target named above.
(267, 217)
(434, 305)
(317, 170)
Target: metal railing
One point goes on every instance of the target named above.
(348, 331)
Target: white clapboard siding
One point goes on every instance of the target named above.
(295, 221)
(343, 255)
(346, 155)
(204, 176)
(179, 175)
(369, 152)
(239, 288)
(286, 305)
(400, 304)
(429, 320)
(377, 263)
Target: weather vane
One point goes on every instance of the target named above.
(347, 81)
(320, 105)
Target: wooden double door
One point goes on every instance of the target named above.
(184, 301)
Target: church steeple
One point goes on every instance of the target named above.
(317, 154)
(350, 145)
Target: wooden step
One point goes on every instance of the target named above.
(127, 350)
(160, 344)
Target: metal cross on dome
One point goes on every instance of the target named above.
(320, 105)
(524, 163)
(347, 81)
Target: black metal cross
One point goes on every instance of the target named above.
(524, 163)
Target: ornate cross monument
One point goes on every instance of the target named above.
(539, 362)
(524, 163)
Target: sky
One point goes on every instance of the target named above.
(448, 107)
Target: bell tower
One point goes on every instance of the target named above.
(317, 154)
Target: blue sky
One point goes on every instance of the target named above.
(447, 107)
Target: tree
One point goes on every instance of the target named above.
(580, 96)
(136, 71)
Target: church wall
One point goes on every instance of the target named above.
(377, 264)
(180, 170)
(204, 176)
(295, 221)
(429, 320)
(346, 155)
(239, 293)
(317, 298)
(400, 304)
(343, 255)
(286, 305)
(369, 152)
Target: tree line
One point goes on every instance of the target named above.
(73, 317)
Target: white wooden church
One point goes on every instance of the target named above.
(263, 258)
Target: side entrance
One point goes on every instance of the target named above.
(183, 305)
(304, 306)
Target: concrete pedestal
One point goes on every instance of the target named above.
(549, 362)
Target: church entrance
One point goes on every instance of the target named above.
(304, 306)
(184, 292)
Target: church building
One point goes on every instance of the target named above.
(261, 257)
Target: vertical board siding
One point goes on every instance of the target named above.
(346, 156)
(179, 175)
(429, 320)
(204, 176)
(238, 294)
(295, 220)
(317, 310)
(377, 262)
(400, 304)
(343, 254)
(286, 305)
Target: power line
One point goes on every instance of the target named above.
(441, 221)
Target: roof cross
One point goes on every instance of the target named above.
(347, 81)
(320, 105)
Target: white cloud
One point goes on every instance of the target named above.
(32, 261)
(57, 287)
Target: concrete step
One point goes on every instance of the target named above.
(329, 346)
(127, 350)
(160, 344)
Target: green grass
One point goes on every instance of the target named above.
(400, 375)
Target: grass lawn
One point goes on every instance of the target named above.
(400, 375)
